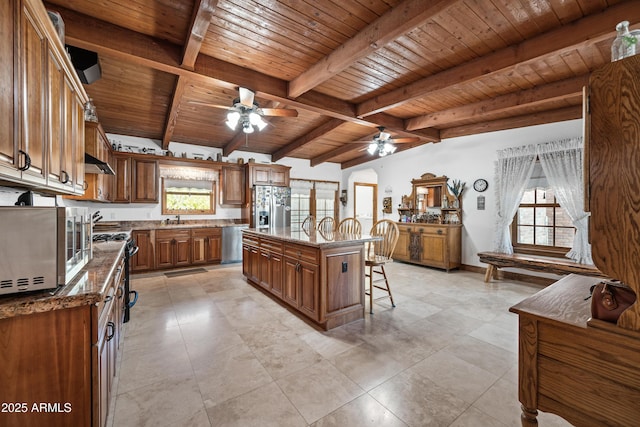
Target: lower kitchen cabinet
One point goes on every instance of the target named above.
(58, 366)
(144, 259)
(177, 247)
(173, 248)
(206, 245)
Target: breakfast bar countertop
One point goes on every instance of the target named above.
(86, 288)
(313, 238)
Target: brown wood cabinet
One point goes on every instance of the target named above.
(144, 181)
(121, 182)
(42, 104)
(144, 259)
(98, 186)
(136, 180)
(433, 245)
(258, 174)
(301, 279)
(324, 284)
(583, 369)
(65, 358)
(206, 245)
(232, 185)
(173, 248)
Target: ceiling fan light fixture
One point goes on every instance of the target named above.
(389, 148)
(246, 127)
(372, 148)
(256, 120)
(232, 119)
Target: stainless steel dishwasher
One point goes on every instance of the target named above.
(232, 243)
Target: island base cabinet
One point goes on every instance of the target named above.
(326, 286)
(343, 300)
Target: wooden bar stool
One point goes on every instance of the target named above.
(378, 255)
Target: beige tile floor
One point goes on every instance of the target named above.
(208, 349)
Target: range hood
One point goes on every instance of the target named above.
(93, 165)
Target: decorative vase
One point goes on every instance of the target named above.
(625, 43)
(456, 203)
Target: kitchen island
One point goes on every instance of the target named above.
(319, 276)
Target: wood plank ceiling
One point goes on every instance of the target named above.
(431, 69)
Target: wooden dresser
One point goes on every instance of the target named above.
(585, 370)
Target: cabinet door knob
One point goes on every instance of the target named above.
(27, 161)
(439, 231)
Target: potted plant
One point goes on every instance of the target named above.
(456, 187)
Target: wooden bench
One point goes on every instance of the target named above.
(529, 262)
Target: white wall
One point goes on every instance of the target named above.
(467, 159)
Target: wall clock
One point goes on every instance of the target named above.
(480, 185)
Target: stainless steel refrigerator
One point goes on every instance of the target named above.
(271, 206)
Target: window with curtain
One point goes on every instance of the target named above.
(190, 191)
(317, 198)
(541, 226)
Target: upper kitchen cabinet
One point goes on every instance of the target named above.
(136, 179)
(267, 175)
(232, 185)
(144, 181)
(121, 183)
(41, 105)
(98, 185)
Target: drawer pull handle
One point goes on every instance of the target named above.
(113, 331)
(439, 231)
(27, 161)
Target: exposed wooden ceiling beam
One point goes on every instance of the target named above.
(316, 133)
(174, 110)
(584, 32)
(369, 157)
(539, 95)
(393, 24)
(200, 20)
(86, 32)
(236, 142)
(558, 115)
(332, 154)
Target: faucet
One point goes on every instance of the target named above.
(178, 219)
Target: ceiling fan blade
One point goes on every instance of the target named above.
(279, 112)
(404, 140)
(208, 104)
(246, 97)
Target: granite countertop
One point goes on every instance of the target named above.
(154, 225)
(86, 288)
(313, 238)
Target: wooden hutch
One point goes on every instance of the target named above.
(586, 370)
(430, 224)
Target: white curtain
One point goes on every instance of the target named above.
(513, 170)
(563, 166)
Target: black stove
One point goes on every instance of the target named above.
(110, 237)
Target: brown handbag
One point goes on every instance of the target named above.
(609, 299)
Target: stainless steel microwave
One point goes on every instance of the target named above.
(42, 247)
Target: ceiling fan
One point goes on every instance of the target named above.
(246, 111)
(384, 144)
